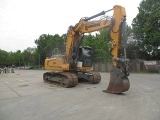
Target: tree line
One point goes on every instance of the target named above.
(46, 45)
(143, 41)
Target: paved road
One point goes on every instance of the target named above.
(24, 96)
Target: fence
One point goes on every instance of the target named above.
(135, 67)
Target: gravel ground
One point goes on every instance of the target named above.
(24, 96)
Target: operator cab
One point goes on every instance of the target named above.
(84, 57)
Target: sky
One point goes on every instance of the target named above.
(23, 21)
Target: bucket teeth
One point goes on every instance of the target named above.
(118, 81)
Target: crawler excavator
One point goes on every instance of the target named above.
(76, 64)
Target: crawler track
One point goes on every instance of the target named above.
(96, 77)
(68, 79)
(65, 79)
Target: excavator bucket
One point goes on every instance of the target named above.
(119, 82)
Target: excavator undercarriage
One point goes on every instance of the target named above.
(70, 79)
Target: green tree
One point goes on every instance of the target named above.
(146, 29)
(47, 43)
(28, 56)
(18, 56)
(3, 58)
(100, 45)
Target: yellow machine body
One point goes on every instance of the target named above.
(76, 61)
